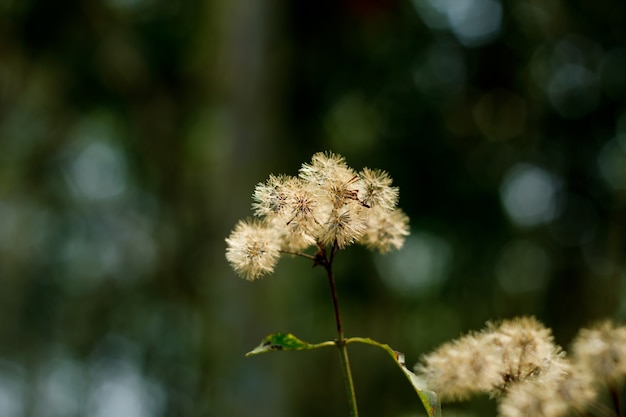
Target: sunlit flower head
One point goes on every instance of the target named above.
(330, 173)
(494, 360)
(533, 400)
(304, 205)
(296, 237)
(461, 368)
(252, 249)
(376, 190)
(343, 227)
(270, 197)
(324, 167)
(328, 204)
(601, 350)
(527, 349)
(577, 388)
(386, 230)
(555, 395)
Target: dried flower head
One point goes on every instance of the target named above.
(533, 400)
(326, 168)
(342, 226)
(577, 388)
(530, 400)
(501, 356)
(303, 205)
(338, 182)
(270, 198)
(460, 368)
(376, 189)
(601, 350)
(327, 204)
(386, 230)
(555, 395)
(527, 351)
(253, 249)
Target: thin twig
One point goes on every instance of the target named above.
(341, 341)
(302, 254)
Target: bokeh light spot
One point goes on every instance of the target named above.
(61, 384)
(528, 194)
(473, 22)
(12, 390)
(99, 172)
(433, 13)
(119, 388)
(573, 91)
(417, 269)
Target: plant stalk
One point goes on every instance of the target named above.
(341, 340)
(347, 373)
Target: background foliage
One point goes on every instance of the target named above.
(132, 133)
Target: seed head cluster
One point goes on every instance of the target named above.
(327, 204)
(601, 351)
(517, 362)
(492, 360)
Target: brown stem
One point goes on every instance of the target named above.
(302, 254)
(333, 291)
(327, 262)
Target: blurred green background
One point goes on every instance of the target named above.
(133, 132)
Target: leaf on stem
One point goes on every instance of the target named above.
(429, 398)
(284, 341)
(287, 341)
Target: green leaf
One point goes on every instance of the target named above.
(285, 341)
(429, 398)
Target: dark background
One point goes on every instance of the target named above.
(133, 132)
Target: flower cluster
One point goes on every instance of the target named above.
(492, 360)
(518, 362)
(601, 351)
(327, 204)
